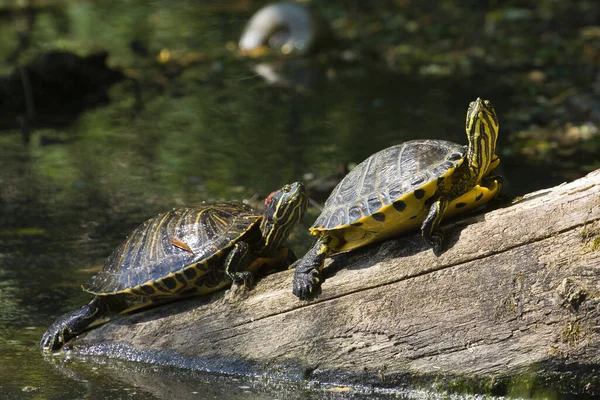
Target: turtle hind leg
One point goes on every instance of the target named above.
(72, 324)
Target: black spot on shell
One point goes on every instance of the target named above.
(147, 289)
(440, 180)
(460, 205)
(419, 193)
(203, 266)
(169, 283)
(190, 273)
(413, 217)
(159, 287)
(356, 224)
(455, 156)
(181, 278)
(379, 217)
(399, 205)
(479, 196)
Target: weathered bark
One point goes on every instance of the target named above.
(517, 292)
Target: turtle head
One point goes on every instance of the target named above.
(482, 132)
(285, 208)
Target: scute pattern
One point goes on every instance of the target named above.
(387, 176)
(147, 255)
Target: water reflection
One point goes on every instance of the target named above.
(99, 378)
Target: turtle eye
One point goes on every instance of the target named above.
(487, 103)
(286, 188)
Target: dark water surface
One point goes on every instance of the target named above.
(215, 130)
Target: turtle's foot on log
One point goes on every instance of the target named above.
(306, 283)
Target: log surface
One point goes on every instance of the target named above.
(517, 292)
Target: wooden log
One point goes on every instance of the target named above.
(515, 299)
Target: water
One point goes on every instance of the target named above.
(212, 130)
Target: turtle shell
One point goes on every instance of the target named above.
(149, 263)
(399, 179)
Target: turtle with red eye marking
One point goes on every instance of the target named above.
(184, 252)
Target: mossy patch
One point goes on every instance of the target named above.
(527, 386)
(517, 199)
(590, 235)
(572, 333)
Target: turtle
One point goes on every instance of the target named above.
(402, 187)
(187, 251)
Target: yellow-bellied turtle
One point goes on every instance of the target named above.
(184, 252)
(404, 186)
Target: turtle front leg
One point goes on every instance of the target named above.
(72, 324)
(430, 228)
(493, 183)
(307, 277)
(236, 263)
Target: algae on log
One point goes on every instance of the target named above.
(516, 294)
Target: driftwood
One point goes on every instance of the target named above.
(515, 300)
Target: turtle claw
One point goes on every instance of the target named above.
(243, 278)
(306, 284)
(436, 241)
(70, 325)
(54, 338)
(437, 245)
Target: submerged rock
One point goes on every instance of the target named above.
(54, 88)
